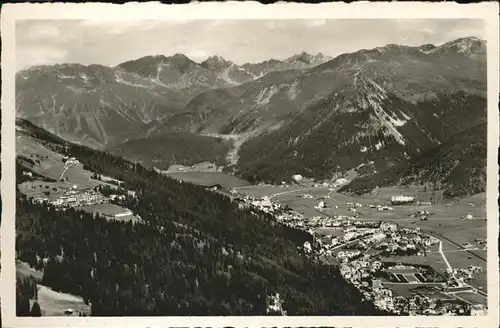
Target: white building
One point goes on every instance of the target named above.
(402, 199)
(478, 310)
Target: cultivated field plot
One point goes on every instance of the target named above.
(77, 175)
(210, 178)
(53, 303)
(472, 297)
(433, 293)
(434, 260)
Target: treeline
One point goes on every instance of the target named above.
(197, 254)
(26, 295)
(181, 148)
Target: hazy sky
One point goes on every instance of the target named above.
(110, 43)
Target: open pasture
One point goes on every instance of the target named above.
(54, 303)
(110, 210)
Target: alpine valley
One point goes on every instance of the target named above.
(312, 115)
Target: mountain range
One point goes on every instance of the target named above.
(309, 114)
(99, 105)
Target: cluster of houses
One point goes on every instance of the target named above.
(356, 265)
(465, 274)
(360, 273)
(74, 197)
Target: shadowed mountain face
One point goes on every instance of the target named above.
(383, 105)
(308, 114)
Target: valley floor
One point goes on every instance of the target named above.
(459, 237)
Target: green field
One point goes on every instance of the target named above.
(109, 210)
(210, 178)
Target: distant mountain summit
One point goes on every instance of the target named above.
(307, 114)
(100, 105)
(309, 59)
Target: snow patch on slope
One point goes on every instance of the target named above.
(65, 77)
(265, 95)
(225, 76)
(292, 91)
(119, 79)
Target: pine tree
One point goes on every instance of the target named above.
(35, 310)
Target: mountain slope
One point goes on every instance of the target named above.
(457, 167)
(384, 105)
(409, 73)
(99, 105)
(91, 104)
(194, 252)
(233, 110)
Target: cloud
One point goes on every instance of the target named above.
(197, 54)
(110, 42)
(428, 31)
(120, 26)
(44, 32)
(39, 56)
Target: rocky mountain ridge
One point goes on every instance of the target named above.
(384, 106)
(99, 105)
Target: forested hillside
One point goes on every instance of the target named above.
(199, 253)
(338, 139)
(458, 168)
